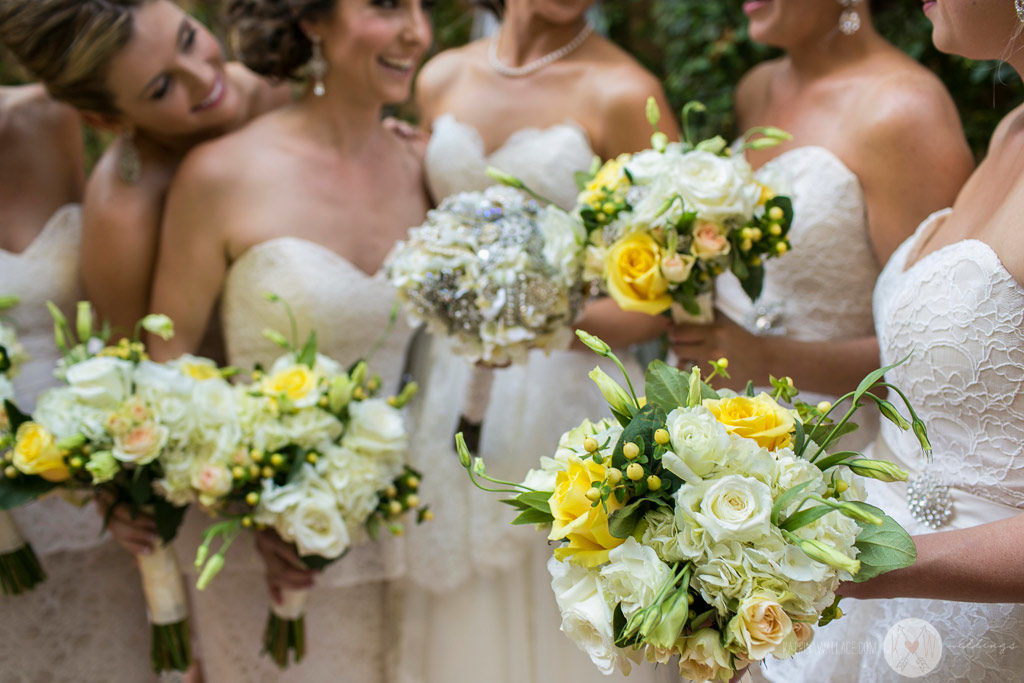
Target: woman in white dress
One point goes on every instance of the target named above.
(304, 202)
(64, 628)
(953, 294)
(537, 100)
(877, 146)
(155, 76)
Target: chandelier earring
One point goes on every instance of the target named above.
(1019, 4)
(129, 165)
(849, 20)
(316, 67)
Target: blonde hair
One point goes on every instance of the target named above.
(68, 45)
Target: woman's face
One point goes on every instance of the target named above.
(373, 47)
(169, 79)
(784, 23)
(976, 29)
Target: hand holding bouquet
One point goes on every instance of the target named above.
(705, 525)
(662, 223)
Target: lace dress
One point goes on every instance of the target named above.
(349, 613)
(821, 289)
(66, 629)
(962, 315)
(479, 599)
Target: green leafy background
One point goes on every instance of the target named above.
(699, 49)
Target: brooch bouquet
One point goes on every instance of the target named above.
(320, 461)
(19, 567)
(706, 525)
(662, 223)
(107, 430)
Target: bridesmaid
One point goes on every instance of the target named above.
(877, 146)
(155, 76)
(538, 100)
(41, 182)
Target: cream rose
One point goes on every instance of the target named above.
(141, 444)
(702, 657)
(760, 628)
(212, 481)
(709, 241)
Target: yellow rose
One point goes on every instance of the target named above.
(635, 279)
(36, 452)
(577, 520)
(199, 371)
(759, 418)
(297, 383)
(609, 179)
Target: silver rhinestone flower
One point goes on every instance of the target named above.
(929, 500)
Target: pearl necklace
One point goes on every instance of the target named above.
(540, 62)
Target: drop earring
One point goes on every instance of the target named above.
(849, 20)
(317, 67)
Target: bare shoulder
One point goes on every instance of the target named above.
(262, 94)
(1010, 125)
(115, 211)
(442, 71)
(34, 111)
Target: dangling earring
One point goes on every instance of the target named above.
(129, 166)
(1020, 10)
(849, 20)
(317, 67)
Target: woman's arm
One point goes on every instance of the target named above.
(192, 259)
(980, 564)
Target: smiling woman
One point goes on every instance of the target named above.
(150, 73)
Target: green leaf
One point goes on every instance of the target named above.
(16, 492)
(622, 523)
(785, 499)
(319, 563)
(665, 386)
(582, 179)
(873, 377)
(804, 517)
(168, 519)
(648, 420)
(534, 516)
(799, 438)
(307, 356)
(821, 432)
(15, 417)
(141, 489)
(836, 459)
(883, 548)
(531, 500)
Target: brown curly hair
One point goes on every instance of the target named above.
(266, 34)
(68, 45)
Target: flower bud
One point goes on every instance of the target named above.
(504, 178)
(653, 111)
(824, 407)
(594, 343)
(613, 393)
(654, 482)
(631, 451)
(590, 444)
(277, 460)
(83, 321)
(593, 494)
(312, 458)
(412, 500)
(774, 229)
(10, 472)
(781, 247)
(211, 570)
(882, 470)
(776, 213)
(463, 450)
(267, 472)
(412, 481)
(247, 521)
(254, 470)
(826, 554)
(158, 324)
(661, 437)
(252, 498)
(238, 472)
(427, 516)
(635, 472)
(395, 508)
(613, 475)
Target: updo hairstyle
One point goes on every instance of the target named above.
(267, 37)
(68, 45)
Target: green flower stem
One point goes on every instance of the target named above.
(282, 636)
(171, 647)
(20, 571)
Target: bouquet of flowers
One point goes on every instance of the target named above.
(19, 567)
(320, 461)
(106, 430)
(662, 223)
(497, 271)
(706, 525)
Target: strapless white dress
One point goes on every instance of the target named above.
(350, 614)
(479, 605)
(87, 621)
(821, 289)
(962, 315)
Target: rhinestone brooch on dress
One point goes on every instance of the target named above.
(929, 500)
(765, 320)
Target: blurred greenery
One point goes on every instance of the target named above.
(700, 49)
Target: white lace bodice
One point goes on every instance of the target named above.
(961, 315)
(456, 159)
(821, 289)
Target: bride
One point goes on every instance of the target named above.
(953, 295)
(538, 100)
(304, 202)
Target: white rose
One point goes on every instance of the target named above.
(376, 428)
(305, 512)
(141, 444)
(733, 508)
(168, 393)
(699, 440)
(648, 165)
(102, 381)
(717, 188)
(633, 576)
(563, 242)
(6, 389)
(586, 615)
(63, 415)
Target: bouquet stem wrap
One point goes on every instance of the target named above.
(706, 302)
(20, 570)
(168, 610)
(286, 627)
(474, 407)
